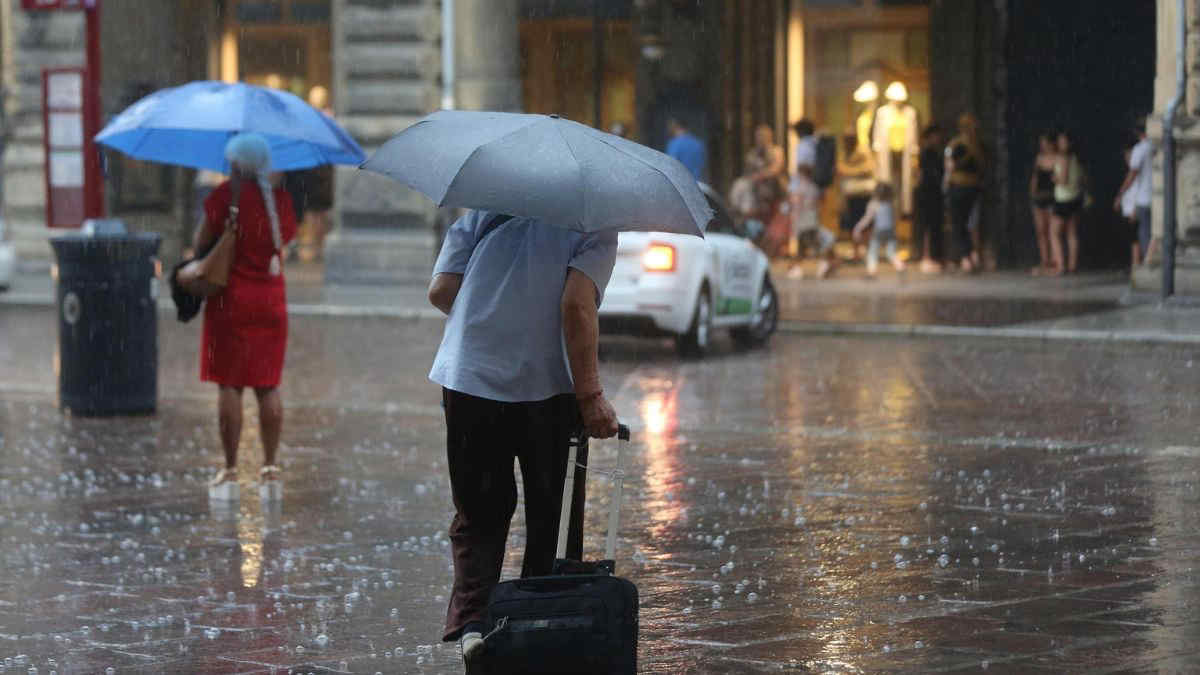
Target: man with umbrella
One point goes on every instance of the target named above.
(518, 360)
(516, 292)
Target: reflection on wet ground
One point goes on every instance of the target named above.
(951, 299)
(936, 311)
(826, 504)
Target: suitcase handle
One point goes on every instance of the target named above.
(614, 512)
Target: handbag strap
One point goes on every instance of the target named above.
(235, 188)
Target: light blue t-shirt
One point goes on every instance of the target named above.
(504, 338)
(885, 217)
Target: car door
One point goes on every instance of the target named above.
(733, 261)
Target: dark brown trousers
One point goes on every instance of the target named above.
(483, 437)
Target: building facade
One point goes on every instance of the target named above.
(721, 67)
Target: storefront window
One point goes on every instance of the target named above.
(282, 44)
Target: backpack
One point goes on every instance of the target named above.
(826, 167)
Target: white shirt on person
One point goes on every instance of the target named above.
(503, 339)
(1141, 159)
(806, 151)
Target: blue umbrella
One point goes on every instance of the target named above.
(544, 167)
(189, 125)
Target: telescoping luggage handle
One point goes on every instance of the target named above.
(614, 509)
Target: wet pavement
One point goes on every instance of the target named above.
(950, 299)
(827, 504)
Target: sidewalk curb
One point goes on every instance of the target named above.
(1009, 332)
(166, 306)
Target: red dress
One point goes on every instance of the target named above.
(246, 326)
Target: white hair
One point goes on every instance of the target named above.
(251, 153)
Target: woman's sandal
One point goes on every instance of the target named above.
(224, 486)
(270, 485)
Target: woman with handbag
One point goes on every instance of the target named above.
(245, 323)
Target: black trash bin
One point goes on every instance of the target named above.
(107, 322)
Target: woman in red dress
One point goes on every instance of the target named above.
(246, 326)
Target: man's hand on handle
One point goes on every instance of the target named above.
(599, 418)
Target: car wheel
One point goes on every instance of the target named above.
(764, 322)
(696, 341)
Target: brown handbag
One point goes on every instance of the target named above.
(208, 274)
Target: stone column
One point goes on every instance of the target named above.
(487, 55)
(387, 70)
(1187, 144)
(33, 41)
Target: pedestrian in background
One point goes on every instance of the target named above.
(246, 326)
(807, 232)
(1068, 205)
(1041, 197)
(930, 209)
(856, 173)
(687, 148)
(1128, 211)
(1138, 180)
(765, 163)
(881, 218)
(964, 165)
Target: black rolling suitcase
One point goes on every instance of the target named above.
(580, 620)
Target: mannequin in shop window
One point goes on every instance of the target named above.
(866, 96)
(895, 140)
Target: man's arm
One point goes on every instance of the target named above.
(443, 290)
(1130, 176)
(581, 328)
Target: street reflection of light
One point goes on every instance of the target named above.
(660, 419)
(250, 540)
(658, 412)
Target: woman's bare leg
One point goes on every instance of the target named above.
(1041, 224)
(270, 418)
(1056, 231)
(1072, 243)
(229, 415)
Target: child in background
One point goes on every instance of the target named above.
(881, 216)
(803, 203)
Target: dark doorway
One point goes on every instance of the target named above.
(1088, 67)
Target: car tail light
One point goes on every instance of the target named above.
(659, 258)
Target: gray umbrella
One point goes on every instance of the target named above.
(543, 167)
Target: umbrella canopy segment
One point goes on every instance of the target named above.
(189, 125)
(544, 167)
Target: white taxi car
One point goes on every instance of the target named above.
(685, 286)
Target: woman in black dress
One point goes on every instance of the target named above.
(1041, 194)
